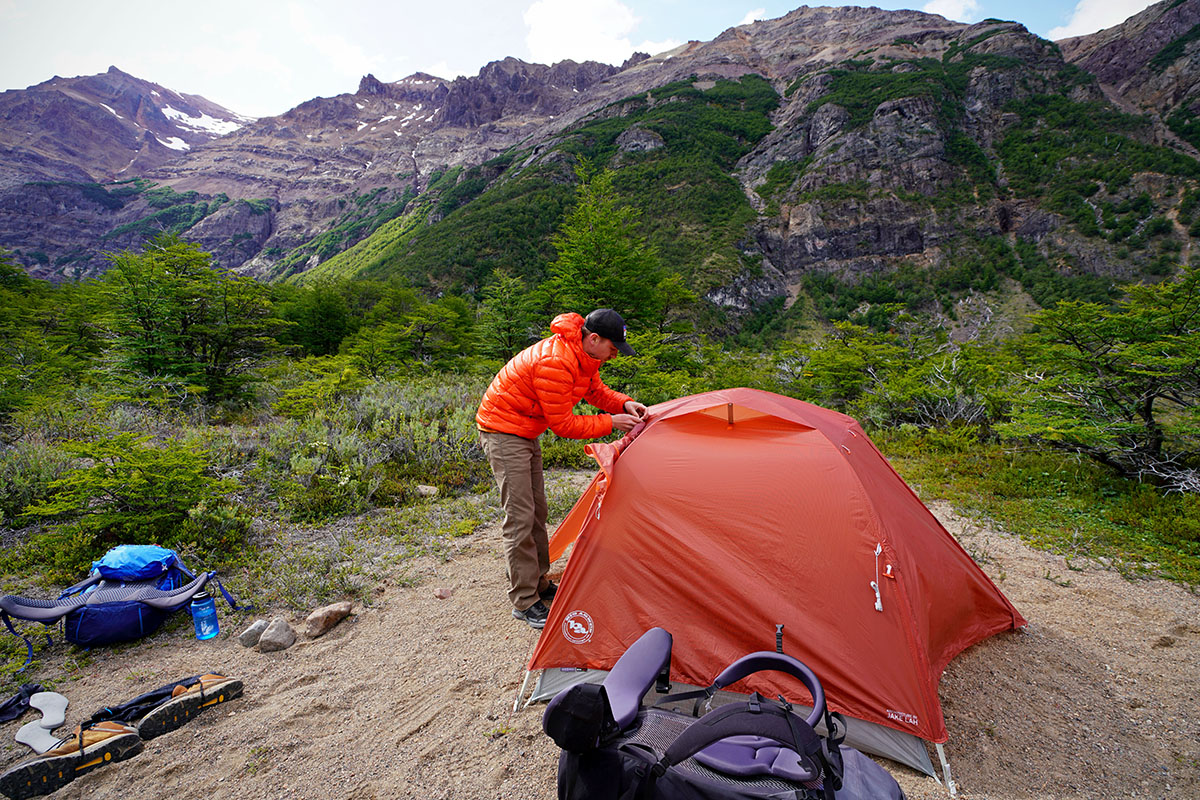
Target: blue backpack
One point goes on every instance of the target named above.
(129, 593)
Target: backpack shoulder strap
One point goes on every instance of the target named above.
(212, 576)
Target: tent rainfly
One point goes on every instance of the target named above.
(733, 512)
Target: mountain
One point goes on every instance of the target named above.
(853, 156)
(101, 127)
(1149, 63)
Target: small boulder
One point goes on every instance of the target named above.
(250, 636)
(427, 491)
(278, 636)
(323, 619)
(443, 593)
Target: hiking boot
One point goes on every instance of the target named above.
(188, 701)
(535, 615)
(81, 752)
(548, 593)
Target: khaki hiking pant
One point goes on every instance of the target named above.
(517, 464)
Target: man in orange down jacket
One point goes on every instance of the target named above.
(536, 390)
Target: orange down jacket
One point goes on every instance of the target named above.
(539, 387)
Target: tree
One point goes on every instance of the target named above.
(602, 260)
(437, 335)
(319, 317)
(47, 337)
(506, 317)
(179, 319)
(1120, 384)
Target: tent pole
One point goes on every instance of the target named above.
(946, 771)
(521, 692)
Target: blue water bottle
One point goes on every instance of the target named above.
(204, 616)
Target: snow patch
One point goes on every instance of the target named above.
(175, 143)
(360, 106)
(362, 124)
(115, 114)
(203, 123)
(388, 118)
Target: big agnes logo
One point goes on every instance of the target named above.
(578, 627)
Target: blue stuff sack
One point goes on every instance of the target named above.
(136, 562)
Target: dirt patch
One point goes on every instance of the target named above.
(412, 697)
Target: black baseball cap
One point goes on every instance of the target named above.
(611, 326)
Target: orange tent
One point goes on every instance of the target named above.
(731, 512)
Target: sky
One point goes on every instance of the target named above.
(263, 57)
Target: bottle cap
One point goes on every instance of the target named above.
(201, 595)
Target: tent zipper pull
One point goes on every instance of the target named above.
(875, 583)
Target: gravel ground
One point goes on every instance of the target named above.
(412, 696)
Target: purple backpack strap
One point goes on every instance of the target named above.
(634, 673)
(780, 662)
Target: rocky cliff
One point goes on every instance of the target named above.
(1150, 63)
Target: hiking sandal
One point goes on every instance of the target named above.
(84, 750)
(188, 701)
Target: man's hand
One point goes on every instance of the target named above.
(625, 422)
(635, 408)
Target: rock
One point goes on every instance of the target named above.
(442, 593)
(278, 636)
(370, 85)
(251, 636)
(638, 140)
(427, 491)
(323, 619)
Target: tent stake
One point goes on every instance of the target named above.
(946, 771)
(521, 692)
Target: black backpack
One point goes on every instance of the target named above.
(613, 748)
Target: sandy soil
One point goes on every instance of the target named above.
(412, 696)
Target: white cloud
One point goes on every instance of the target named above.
(1094, 15)
(581, 30)
(442, 69)
(959, 10)
(752, 16)
(337, 52)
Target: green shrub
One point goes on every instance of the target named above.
(330, 383)
(27, 470)
(127, 491)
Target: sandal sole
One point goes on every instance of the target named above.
(181, 710)
(45, 775)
